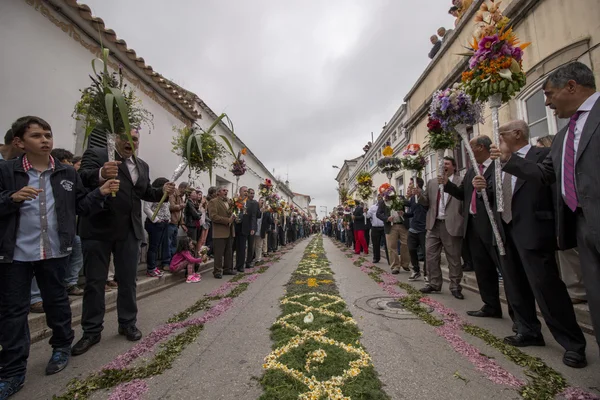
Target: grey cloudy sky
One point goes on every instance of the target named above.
(304, 81)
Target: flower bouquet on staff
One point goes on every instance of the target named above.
(365, 186)
(413, 159)
(389, 164)
(237, 207)
(393, 201)
(449, 108)
(496, 69)
(266, 189)
(110, 106)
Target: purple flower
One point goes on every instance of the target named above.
(517, 53)
(488, 42)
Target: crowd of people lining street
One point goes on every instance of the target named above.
(550, 225)
(61, 215)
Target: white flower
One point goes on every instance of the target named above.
(309, 318)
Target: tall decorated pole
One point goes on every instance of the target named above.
(495, 69)
(462, 131)
(389, 164)
(413, 160)
(109, 107)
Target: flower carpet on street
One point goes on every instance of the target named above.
(317, 352)
(166, 342)
(544, 383)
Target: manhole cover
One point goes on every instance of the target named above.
(386, 306)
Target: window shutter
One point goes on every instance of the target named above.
(96, 139)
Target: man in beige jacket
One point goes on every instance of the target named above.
(223, 233)
(444, 230)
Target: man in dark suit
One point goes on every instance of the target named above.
(116, 230)
(245, 229)
(477, 228)
(573, 164)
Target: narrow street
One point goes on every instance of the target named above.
(225, 359)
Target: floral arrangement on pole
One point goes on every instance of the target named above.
(109, 105)
(391, 198)
(495, 65)
(389, 164)
(450, 108)
(266, 189)
(365, 185)
(238, 167)
(413, 159)
(496, 69)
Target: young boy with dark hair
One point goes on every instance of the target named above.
(39, 200)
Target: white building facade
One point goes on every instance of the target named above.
(47, 49)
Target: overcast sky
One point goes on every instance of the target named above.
(304, 81)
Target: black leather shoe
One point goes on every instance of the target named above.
(429, 289)
(520, 340)
(574, 360)
(58, 361)
(375, 261)
(241, 271)
(395, 272)
(131, 332)
(84, 344)
(229, 273)
(218, 276)
(484, 314)
(458, 294)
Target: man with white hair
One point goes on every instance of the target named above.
(530, 270)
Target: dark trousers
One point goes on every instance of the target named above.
(15, 294)
(588, 245)
(240, 251)
(281, 236)
(272, 241)
(172, 230)
(413, 242)
(96, 259)
(158, 244)
(531, 275)
(223, 249)
(486, 263)
(250, 251)
(376, 235)
(368, 236)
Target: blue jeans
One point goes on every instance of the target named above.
(75, 263)
(72, 273)
(158, 244)
(15, 294)
(173, 229)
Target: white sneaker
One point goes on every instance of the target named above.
(426, 278)
(414, 276)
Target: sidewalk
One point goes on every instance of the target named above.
(146, 286)
(582, 311)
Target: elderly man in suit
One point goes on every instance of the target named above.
(116, 230)
(530, 270)
(223, 233)
(573, 164)
(444, 230)
(478, 229)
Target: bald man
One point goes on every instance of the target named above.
(529, 267)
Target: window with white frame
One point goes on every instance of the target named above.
(400, 184)
(541, 119)
(430, 167)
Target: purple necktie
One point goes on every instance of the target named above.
(569, 165)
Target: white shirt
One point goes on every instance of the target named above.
(372, 213)
(585, 108)
(442, 212)
(522, 152)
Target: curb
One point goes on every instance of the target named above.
(146, 287)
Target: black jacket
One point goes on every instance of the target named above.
(267, 224)
(464, 192)
(71, 198)
(359, 219)
(123, 212)
(249, 222)
(191, 214)
(417, 215)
